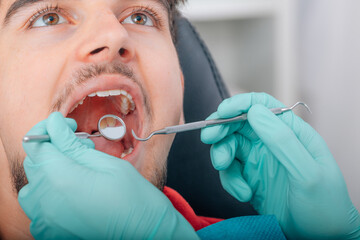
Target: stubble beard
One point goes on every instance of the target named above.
(18, 176)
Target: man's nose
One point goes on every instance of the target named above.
(108, 40)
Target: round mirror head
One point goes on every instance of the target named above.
(112, 127)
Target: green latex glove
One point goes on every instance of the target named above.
(283, 167)
(76, 192)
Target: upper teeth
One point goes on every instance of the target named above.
(127, 102)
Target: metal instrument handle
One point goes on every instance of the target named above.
(46, 138)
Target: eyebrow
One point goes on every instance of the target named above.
(14, 8)
(18, 4)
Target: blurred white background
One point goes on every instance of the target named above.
(306, 50)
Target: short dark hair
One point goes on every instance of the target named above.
(173, 11)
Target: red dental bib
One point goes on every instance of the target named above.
(198, 222)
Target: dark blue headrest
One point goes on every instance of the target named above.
(189, 166)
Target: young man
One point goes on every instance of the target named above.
(88, 58)
(56, 53)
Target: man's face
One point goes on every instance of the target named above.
(57, 54)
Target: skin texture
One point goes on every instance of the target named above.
(36, 64)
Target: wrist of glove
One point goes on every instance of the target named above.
(283, 167)
(75, 191)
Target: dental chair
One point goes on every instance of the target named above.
(190, 171)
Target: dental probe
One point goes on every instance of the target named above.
(206, 123)
(46, 138)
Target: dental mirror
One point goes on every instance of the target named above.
(110, 127)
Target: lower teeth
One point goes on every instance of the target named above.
(127, 152)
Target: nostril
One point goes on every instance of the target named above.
(97, 50)
(122, 52)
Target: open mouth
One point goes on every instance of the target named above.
(122, 101)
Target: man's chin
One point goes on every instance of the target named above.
(157, 177)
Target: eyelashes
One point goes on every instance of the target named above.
(43, 11)
(147, 10)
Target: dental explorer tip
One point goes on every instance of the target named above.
(303, 104)
(136, 137)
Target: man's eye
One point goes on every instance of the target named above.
(139, 19)
(49, 19)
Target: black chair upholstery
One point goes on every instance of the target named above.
(189, 166)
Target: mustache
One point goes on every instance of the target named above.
(88, 72)
(91, 71)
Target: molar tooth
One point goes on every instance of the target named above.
(115, 92)
(92, 94)
(129, 96)
(132, 103)
(127, 152)
(103, 93)
(124, 105)
(103, 124)
(130, 150)
(123, 92)
(111, 122)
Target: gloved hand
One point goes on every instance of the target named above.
(283, 167)
(76, 192)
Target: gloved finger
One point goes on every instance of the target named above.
(24, 203)
(38, 129)
(87, 142)
(310, 139)
(234, 183)
(282, 142)
(70, 122)
(232, 107)
(224, 152)
(73, 126)
(28, 199)
(39, 152)
(62, 136)
(45, 158)
(241, 103)
(214, 134)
